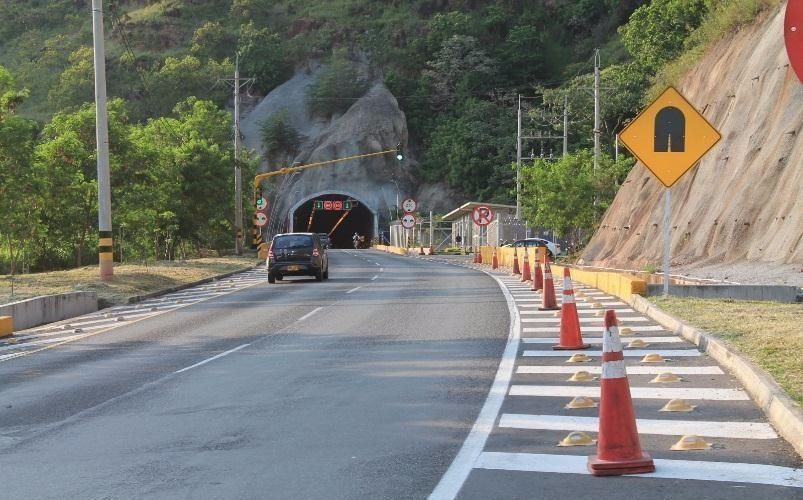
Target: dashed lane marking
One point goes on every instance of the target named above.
(226, 353)
(309, 314)
(353, 290)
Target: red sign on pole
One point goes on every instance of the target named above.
(482, 215)
(337, 205)
(793, 35)
(327, 205)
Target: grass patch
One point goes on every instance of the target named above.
(767, 333)
(129, 279)
(724, 18)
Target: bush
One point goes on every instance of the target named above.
(336, 89)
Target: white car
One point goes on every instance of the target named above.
(553, 249)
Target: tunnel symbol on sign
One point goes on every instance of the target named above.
(670, 131)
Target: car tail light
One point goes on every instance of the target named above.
(315, 252)
(270, 252)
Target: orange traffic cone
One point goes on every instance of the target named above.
(525, 270)
(570, 335)
(431, 250)
(494, 260)
(474, 256)
(618, 448)
(479, 255)
(515, 262)
(548, 300)
(421, 251)
(538, 277)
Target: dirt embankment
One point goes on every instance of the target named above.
(743, 204)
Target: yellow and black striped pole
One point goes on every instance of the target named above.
(105, 253)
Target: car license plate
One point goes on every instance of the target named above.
(293, 268)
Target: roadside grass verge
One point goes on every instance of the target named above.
(724, 18)
(770, 334)
(128, 280)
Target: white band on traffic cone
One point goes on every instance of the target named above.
(613, 369)
(610, 340)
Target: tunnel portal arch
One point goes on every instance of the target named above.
(362, 219)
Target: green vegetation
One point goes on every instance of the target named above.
(455, 67)
(767, 333)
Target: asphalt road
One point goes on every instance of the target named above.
(364, 386)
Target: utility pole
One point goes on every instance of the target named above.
(596, 109)
(518, 163)
(105, 242)
(238, 84)
(565, 125)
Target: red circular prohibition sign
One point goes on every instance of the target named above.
(793, 35)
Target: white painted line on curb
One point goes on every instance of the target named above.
(664, 469)
(631, 370)
(213, 358)
(374, 278)
(628, 353)
(309, 314)
(353, 290)
(709, 429)
(452, 480)
(598, 340)
(586, 321)
(571, 391)
(554, 328)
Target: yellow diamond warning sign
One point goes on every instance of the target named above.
(669, 136)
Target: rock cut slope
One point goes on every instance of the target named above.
(742, 202)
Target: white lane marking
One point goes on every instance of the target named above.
(635, 328)
(664, 469)
(598, 340)
(571, 391)
(457, 473)
(376, 263)
(628, 353)
(226, 353)
(381, 269)
(632, 370)
(374, 278)
(353, 290)
(581, 306)
(709, 429)
(302, 318)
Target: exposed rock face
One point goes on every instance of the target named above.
(743, 202)
(373, 123)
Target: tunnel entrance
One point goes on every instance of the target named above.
(338, 215)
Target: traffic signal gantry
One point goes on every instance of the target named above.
(260, 203)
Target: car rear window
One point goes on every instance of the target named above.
(292, 241)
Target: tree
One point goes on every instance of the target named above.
(279, 137)
(20, 200)
(459, 69)
(212, 41)
(568, 195)
(263, 56)
(656, 32)
(472, 151)
(76, 83)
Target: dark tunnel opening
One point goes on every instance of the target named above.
(329, 214)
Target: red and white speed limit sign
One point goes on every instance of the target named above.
(409, 205)
(482, 215)
(261, 219)
(408, 221)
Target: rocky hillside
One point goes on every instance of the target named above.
(742, 203)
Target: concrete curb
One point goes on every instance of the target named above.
(140, 298)
(784, 414)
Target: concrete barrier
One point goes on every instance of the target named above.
(49, 308)
(777, 293)
(6, 326)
